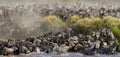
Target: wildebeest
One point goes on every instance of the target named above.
(8, 51)
(111, 49)
(61, 49)
(91, 51)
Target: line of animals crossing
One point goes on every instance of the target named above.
(65, 41)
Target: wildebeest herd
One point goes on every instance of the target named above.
(64, 11)
(101, 41)
(62, 42)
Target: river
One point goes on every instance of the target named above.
(64, 55)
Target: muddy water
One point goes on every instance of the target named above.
(64, 55)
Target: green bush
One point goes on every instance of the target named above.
(89, 25)
(86, 25)
(52, 23)
(71, 22)
(111, 22)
